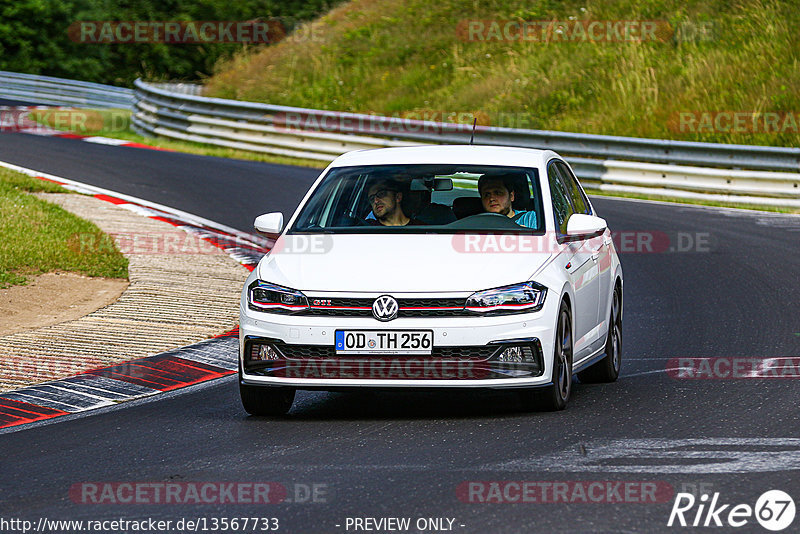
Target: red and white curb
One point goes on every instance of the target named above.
(15, 119)
(148, 376)
(245, 248)
(135, 379)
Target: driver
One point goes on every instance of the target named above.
(385, 196)
(497, 196)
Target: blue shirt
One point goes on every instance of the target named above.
(525, 218)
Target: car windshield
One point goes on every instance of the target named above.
(423, 199)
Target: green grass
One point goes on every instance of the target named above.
(400, 57)
(16, 180)
(40, 237)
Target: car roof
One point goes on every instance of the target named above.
(447, 154)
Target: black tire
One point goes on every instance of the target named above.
(607, 369)
(266, 400)
(555, 396)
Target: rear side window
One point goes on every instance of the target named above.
(579, 201)
(562, 208)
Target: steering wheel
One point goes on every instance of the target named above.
(485, 215)
(485, 221)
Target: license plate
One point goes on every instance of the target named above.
(384, 341)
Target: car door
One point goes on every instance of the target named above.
(579, 264)
(600, 248)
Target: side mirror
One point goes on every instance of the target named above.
(269, 223)
(580, 224)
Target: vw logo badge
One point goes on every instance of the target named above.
(384, 308)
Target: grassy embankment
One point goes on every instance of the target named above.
(400, 57)
(39, 237)
(416, 59)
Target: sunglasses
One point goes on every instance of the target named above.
(380, 193)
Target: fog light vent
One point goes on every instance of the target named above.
(517, 354)
(263, 353)
(518, 358)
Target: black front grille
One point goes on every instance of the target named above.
(362, 307)
(431, 303)
(321, 361)
(305, 352)
(333, 312)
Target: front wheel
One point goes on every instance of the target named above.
(266, 400)
(607, 369)
(555, 396)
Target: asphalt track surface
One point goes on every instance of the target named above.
(405, 454)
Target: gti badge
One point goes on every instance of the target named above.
(384, 308)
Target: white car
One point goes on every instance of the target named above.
(434, 267)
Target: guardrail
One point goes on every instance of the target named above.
(708, 171)
(61, 92)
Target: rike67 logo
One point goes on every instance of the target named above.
(774, 510)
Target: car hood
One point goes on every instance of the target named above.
(401, 263)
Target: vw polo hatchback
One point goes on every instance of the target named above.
(434, 267)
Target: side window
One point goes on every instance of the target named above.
(561, 206)
(579, 202)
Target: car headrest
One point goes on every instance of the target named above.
(466, 206)
(518, 183)
(522, 192)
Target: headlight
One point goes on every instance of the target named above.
(517, 298)
(262, 296)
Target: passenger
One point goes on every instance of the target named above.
(497, 196)
(385, 196)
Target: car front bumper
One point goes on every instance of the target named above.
(466, 352)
